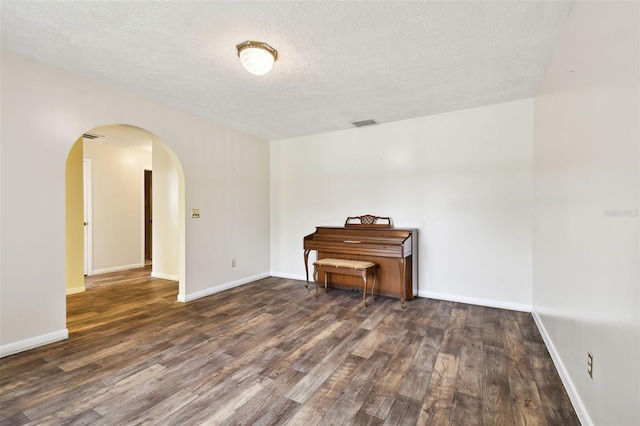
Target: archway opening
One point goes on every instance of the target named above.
(105, 206)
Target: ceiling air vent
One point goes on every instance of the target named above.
(92, 136)
(363, 123)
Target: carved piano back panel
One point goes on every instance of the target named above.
(392, 249)
(368, 220)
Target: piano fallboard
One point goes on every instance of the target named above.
(392, 249)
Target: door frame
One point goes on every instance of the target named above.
(87, 197)
(144, 219)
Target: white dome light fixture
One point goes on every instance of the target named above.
(257, 57)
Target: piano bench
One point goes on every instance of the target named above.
(345, 267)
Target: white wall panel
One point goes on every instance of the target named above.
(44, 111)
(117, 197)
(168, 218)
(585, 234)
(463, 178)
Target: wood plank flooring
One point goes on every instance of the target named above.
(271, 353)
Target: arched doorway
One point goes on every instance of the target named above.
(129, 151)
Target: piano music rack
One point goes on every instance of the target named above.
(369, 221)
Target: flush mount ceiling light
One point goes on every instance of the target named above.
(257, 57)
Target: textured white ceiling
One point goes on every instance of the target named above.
(338, 61)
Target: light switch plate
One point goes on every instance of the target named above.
(195, 213)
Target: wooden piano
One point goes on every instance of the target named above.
(394, 250)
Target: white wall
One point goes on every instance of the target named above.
(585, 235)
(117, 183)
(168, 218)
(44, 111)
(463, 178)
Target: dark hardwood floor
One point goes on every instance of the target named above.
(271, 353)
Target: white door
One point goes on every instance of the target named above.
(86, 185)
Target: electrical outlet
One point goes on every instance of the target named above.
(234, 263)
(590, 364)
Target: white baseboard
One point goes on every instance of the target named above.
(33, 342)
(117, 268)
(299, 277)
(74, 290)
(165, 276)
(574, 396)
(475, 301)
(432, 295)
(221, 287)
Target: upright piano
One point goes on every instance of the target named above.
(394, 250)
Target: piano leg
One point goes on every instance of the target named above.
(364, 293)
(373, 287)
(315, 280)
(402, 267)
(306, 267)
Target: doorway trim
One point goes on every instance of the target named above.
(87, 192)
(143, 241)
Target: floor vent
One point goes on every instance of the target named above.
(363, 123)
